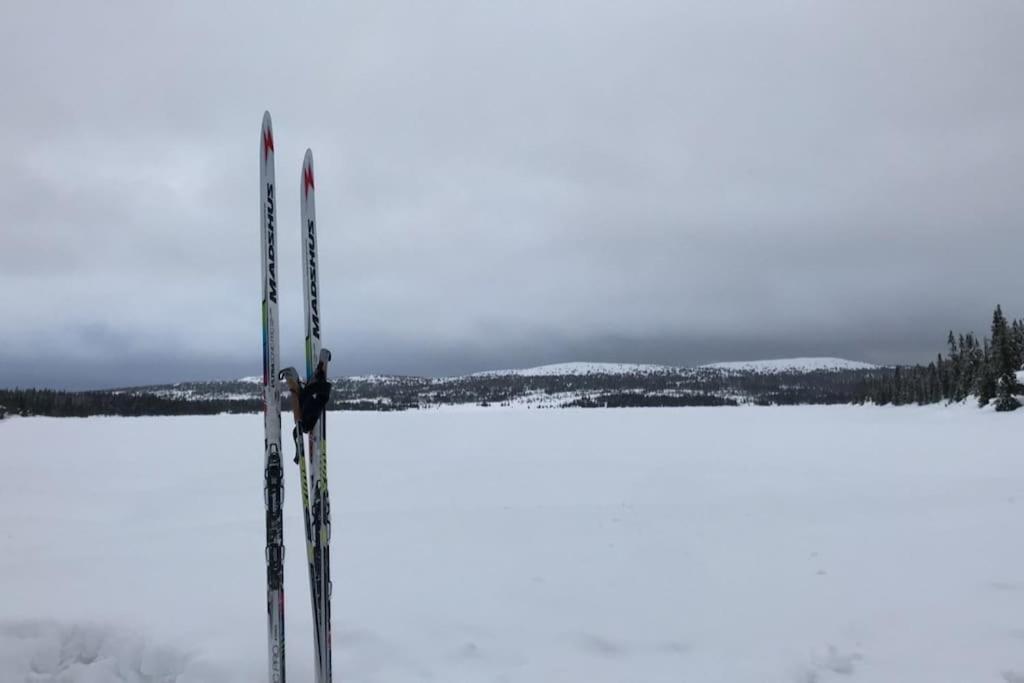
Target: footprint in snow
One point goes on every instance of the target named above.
(1003, 585)
(839, 662)
(674, 647)
(601, 646)
(468, 651)
(833, 661)
(48, 650)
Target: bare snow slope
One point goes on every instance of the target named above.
(655, 546)
(760, 366)
(588, 368)
(792, 365)
(579, 368)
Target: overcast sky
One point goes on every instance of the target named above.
(507, 183)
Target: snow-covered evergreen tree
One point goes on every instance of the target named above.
(1004, 362)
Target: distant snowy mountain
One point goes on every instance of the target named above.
(563, 369)
(376, 379)
(773, 366)
(577, 369)
(789, 381)
(778, 365)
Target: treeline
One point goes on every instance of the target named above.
(638, 400)
(985, 368)
(973, 367)
(85, 403)
(797, 396)
(54, 403)
(788, 387)
(378, 405)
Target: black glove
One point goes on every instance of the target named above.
(313, 400)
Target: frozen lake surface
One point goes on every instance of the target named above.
(801, 545)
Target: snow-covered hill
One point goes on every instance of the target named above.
(775, 366)
(566, 384)
(579, 368)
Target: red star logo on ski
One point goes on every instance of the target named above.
(307, 179)
(268, 143)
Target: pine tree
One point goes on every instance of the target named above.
(985, 382)
(934, 385)
(944, 379)
(971, 360)
(954, 368)
(1017, 339)
(1004, 363)
(897, 387)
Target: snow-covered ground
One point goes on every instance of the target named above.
(803, 545)
(772, 366)
(193, 395)
(579, 368)
(778, 365)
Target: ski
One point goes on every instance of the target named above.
(273, 472)
(291, 376)
(320, 505)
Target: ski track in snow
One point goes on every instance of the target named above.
(803, 545)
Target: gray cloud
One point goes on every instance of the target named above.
(508, 183)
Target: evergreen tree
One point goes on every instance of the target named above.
(1004, 363)
(1017, 339)
(934, 384)
(979, 366)
(897, 387)
(954, 368)
(942, 368)
(971, 359)
(985, 383)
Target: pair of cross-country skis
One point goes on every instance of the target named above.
(308, 405)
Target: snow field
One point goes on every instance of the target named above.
(580, 368)
(769, 367)
(802, 545)
(780, 365)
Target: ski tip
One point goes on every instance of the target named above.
(307, 173)
(267, 136)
